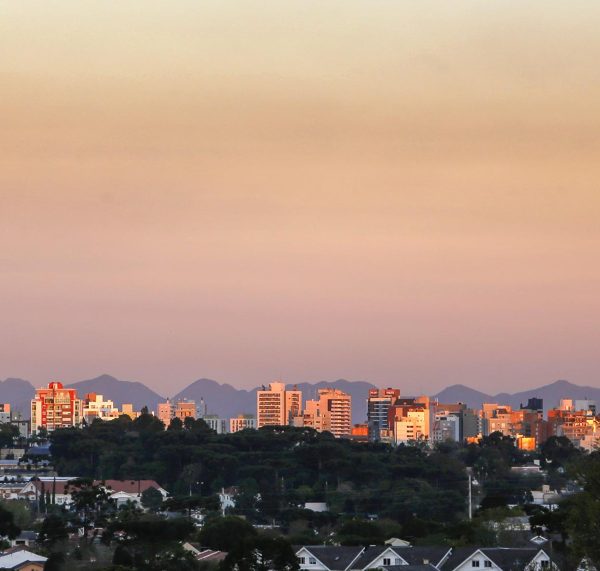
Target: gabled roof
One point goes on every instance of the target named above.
(369, 555)
(129, 486)
(335, 558)
(507, 558)
(427, 567)
(423, 555)
(419, 555)
(18, 557)
(27, 535)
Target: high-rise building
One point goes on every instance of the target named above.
(127, 409)
(335, 407)
(182, 409)
(94, 406)
(378, 407)
(185, 409)
(5, 414)
(410, 420)
(201, 409)
(241, 422)
(219, 425)
(277, 406)
(55, 407)
(165, 412)
(446, 426)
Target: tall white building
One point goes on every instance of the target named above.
(277, 406)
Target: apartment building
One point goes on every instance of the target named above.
(410, 419)
(55, 407)
(379, 403)
(242, 422)
(276, 406)
(94, 406)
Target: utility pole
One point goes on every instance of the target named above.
(470, 498)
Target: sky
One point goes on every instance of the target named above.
(400, 192)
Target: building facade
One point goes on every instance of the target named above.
(276, 406)
(55, 407)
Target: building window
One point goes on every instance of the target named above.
(475, 563)
(487, 563)
(312, 561)
(302, 560)
(545, 563)
(387, 561)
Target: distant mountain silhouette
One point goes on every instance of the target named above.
(119, 391)
(551, 394)
(464, 394)
(18, 393)
(227, 401)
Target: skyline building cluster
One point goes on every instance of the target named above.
(390, 416)
(331, 412)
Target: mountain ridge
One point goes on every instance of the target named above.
(226, 401)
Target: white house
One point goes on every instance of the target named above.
(125, 491)
(340, 558)
(389, 558)
(499, 559)
(19, 559)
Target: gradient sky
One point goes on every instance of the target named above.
(401, 192)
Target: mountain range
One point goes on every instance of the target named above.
(226, 401)
(551, 394)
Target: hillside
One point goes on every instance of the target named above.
(18, 393)
(119, 391)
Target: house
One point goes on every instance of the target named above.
(120, 491)
(125, 491)
(499, 559)
(25, 538)
(546, 497)
(10, 490)
(328, 557)
(227, 498)
(341, 558)
(423, 558)
(203, 553)
(58, 489)
(20, 559)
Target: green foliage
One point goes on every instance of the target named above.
(558, 452)
(7, 523)
(225, 533)
(276, 468)
(261, 553)
(152, 499)
(21, 511)
(8, 433)
(581, 515)
(53, 531)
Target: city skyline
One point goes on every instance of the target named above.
(384, 191)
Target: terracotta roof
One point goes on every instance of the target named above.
(129, 486)
(210, 555)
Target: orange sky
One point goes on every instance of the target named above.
(401, 192)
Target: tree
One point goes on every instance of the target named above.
(261, 553)
(8, 433)
(88, 498)
(53, 531)
(176, 424)
(8, 527)
(582, 512)
(225, 533)
(152, 499)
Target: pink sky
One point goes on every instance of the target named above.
(400, 192)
